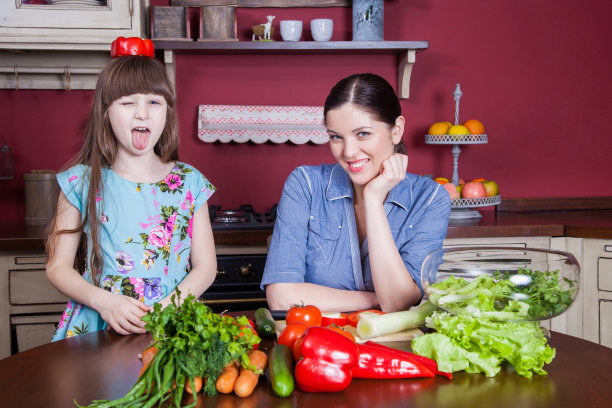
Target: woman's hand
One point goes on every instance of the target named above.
(123, 314)
(392, 171)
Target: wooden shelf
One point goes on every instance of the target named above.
(406, 51)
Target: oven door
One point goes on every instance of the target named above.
(236, 286)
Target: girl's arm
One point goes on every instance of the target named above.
(281, 296)
(202, 257)
(121, 312)
(394, 286)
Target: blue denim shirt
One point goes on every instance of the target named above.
(315, 235)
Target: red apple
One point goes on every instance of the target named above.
(474, 189)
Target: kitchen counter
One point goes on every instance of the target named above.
(104, 365)
(16, 236)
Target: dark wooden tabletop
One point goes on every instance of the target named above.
(102, 365)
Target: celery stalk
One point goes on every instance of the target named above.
(380, 325)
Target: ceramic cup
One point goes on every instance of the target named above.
(291, 30)
(322, 29)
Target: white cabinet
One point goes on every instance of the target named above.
(63, 46)
(71, 27)
(30, 306)
(597, 289)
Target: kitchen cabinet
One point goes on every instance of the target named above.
(30, 306)
(597, 290)
(63, 46)
(406, 51)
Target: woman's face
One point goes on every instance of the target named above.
(138, 121)
(359, 142)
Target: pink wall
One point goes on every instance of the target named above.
(536, 75)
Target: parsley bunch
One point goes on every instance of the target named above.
(192, 342)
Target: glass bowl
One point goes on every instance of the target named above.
(501, 283)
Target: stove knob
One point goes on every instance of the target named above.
(220, 274)
(246, 270)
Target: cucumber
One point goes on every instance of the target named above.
(264, 323)
(280, 370)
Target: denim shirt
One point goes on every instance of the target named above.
(315, 235)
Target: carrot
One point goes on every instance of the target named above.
(146, 358)
(247, 381)
(225, 382)
(259, 359)
(197, 382)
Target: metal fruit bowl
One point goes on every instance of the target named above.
(525, 284)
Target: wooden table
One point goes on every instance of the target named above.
(101, 365)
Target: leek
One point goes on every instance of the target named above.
(380, 325)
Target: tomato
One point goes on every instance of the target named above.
(309, 315)
(296, 348)
(291, 333)
(339, 319)
(343, 332)
(353, 318)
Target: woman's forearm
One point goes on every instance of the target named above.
(394, 286)
(281, 296)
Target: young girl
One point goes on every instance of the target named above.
(141, 211)
(353, 235)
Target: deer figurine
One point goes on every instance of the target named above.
(264, 30)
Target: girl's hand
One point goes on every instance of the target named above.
(123, 314)
(392, 171)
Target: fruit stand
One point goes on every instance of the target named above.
(462, 208)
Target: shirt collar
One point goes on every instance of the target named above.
(339, 186)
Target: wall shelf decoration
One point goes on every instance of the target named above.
(260, 124)
(405, 50)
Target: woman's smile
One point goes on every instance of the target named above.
(357, 165)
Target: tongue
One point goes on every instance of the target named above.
(140, 139)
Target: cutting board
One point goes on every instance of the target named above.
(399, 336)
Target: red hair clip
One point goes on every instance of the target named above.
(132, 46)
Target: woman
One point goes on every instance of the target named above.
(353, 235)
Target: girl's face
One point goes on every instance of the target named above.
(138, 121)
(359, 142)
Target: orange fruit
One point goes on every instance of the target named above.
(474, 126)
(479, 179)
(438, 128)
(441, 180)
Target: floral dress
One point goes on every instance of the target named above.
(145, 237)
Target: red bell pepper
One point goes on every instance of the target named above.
(353, 318)
(375, 362)
(132, 46)
(327, 360)
(426, 361)
(339, 319)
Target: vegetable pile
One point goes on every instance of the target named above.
(192, 343)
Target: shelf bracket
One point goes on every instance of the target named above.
(406, 62)
(170, 68)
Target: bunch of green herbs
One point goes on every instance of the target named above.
(193, 342)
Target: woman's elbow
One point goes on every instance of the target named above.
(276, 295)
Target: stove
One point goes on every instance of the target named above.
(239, 267)
(243, 218)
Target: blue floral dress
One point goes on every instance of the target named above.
(145, 237)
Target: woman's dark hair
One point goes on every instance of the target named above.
(370, 92)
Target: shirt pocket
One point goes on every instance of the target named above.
(322, 241)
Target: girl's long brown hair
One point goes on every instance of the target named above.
(122, 76)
